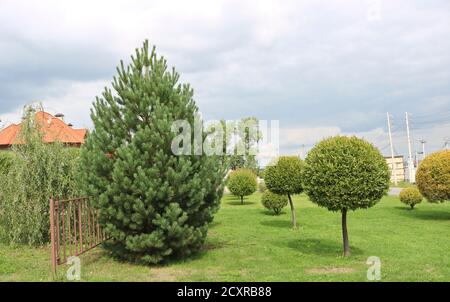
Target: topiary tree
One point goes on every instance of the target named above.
(433, 176)
(285, 178)
(154, 204)
(274, 202)
(242, 182)
(410, 196)
(345, 173)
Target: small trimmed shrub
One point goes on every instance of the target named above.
(274, 202)
(262, 186)
(410, 196)
(433, 176)
(242, 182)
(345, 173)
(285, 177)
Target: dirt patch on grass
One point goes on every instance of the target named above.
(330, 270)
(167, 274)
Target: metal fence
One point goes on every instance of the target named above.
(74, 229)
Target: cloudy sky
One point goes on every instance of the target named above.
(319, 67)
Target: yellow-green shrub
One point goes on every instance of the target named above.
(433, 176)
(410, 196)
(274, 202)
(242, 182)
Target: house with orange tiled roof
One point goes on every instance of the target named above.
(53, 128)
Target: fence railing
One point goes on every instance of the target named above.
(74, 229)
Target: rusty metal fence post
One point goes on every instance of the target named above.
(53, 236)
(74, 229)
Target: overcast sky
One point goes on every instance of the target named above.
(319, 67)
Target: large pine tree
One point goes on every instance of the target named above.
(155, 205)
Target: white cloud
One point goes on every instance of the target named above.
(313, 65)
(75, 104)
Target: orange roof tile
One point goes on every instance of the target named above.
(8, 134)
(54, 129)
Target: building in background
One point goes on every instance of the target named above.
(399, 167)
(53, 128)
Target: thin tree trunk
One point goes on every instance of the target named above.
(345, 233)
(412, 206)
(294, 218)
(242, 199)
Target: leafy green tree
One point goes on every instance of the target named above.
(226, 132)
(242, 182)
(345, 173)
(285, 177)
(248, 135)
(154, 204)
(410, 196)
(433, 176)
(39, 171)
(274, 202)
(237, 161)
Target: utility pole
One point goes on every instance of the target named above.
(302, 151)
(422, 141)
(392, 149)
(416, 158)
(411, 170)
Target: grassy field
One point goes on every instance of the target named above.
(403, 184)
(247, 243)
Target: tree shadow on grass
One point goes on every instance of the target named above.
(321, 247)
(236, 200)
(238, 203)
(206, 248)
(285, 224)
(214, 223)
(104, 255)
(423, 214)
(272, 213)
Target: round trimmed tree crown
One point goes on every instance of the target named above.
(345, 173)
(285, 175)
(433, 176)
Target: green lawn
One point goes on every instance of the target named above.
(247, 243)
(403, 184)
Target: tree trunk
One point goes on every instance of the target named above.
(242, 199)
(345, 233)
(412, 206)
(294, 218)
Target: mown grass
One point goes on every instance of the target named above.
(403, 184)
(247, 243)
